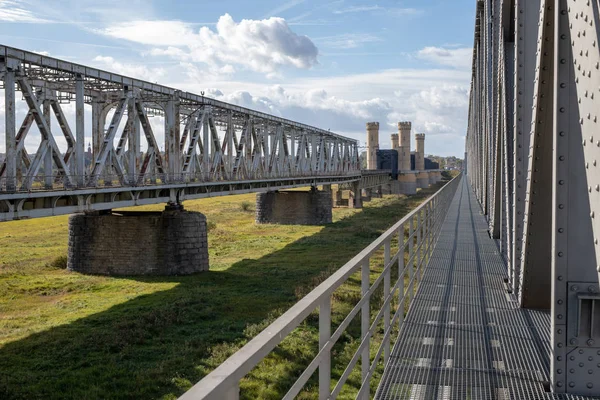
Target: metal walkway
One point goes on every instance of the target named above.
(464, 336)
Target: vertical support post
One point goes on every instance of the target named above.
(411, 263)
(79, 132)
(355, 199)
(233, 393)
(231, 133)
(365, 323)
(419, 256)
(133, 140)
(324, 337)
(293, 152)
(386, 293)
(48, 163)
(401, 300)
(10, 129)
(208, 149)
(172, 128)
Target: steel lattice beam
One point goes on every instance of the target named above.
(206, 141)
(546, 159)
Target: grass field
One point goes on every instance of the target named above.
(65, 335)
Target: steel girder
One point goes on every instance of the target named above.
(205, 141)
(544, 148)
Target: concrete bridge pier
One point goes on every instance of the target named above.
(422, 180)
(408, 182)
(131, 243)
(355, 199)
(295, 207)
(432, 177)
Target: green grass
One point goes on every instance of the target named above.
(67, 335)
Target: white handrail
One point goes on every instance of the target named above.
(423, 224)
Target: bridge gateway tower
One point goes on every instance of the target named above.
(372, 144)
(407, 178)
(423, 176)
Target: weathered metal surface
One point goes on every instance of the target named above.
(554, 257)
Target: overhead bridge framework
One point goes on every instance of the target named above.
(533, 148)
(210, 147)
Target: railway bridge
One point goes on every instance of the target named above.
(152, 144)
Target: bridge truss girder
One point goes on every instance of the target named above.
(533, 146)
(206, 141)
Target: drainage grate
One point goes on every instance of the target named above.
(464, 336)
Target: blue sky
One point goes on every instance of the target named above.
(332, 64)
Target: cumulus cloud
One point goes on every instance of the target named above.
(452, 57)
(263, 46)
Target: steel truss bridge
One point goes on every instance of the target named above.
(492, 283)
(211, 148)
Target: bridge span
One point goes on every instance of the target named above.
(206, 147)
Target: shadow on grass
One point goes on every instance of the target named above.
(156, 345)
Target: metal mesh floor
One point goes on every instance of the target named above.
(464, 336)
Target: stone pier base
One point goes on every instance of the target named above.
(294, 208)
(408, 183)
(138, 243)
(423, 180)
(432, 178)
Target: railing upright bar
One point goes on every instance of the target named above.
(365, 322)
(401, 250)
(419, 248)
(411, 241)
(324, 337)
(386, 292)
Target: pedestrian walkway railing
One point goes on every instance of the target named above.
(413, 239)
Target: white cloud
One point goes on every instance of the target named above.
(452, 57)
(12, 11)
(263, 46)
(131, 70)
(348, 40)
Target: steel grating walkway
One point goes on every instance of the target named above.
(464, 336)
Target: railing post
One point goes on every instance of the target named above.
(419, 248)
(411, 263)
(386, 294)
(365, 324)
(324, 337)
(401, 248)
(233, 393)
